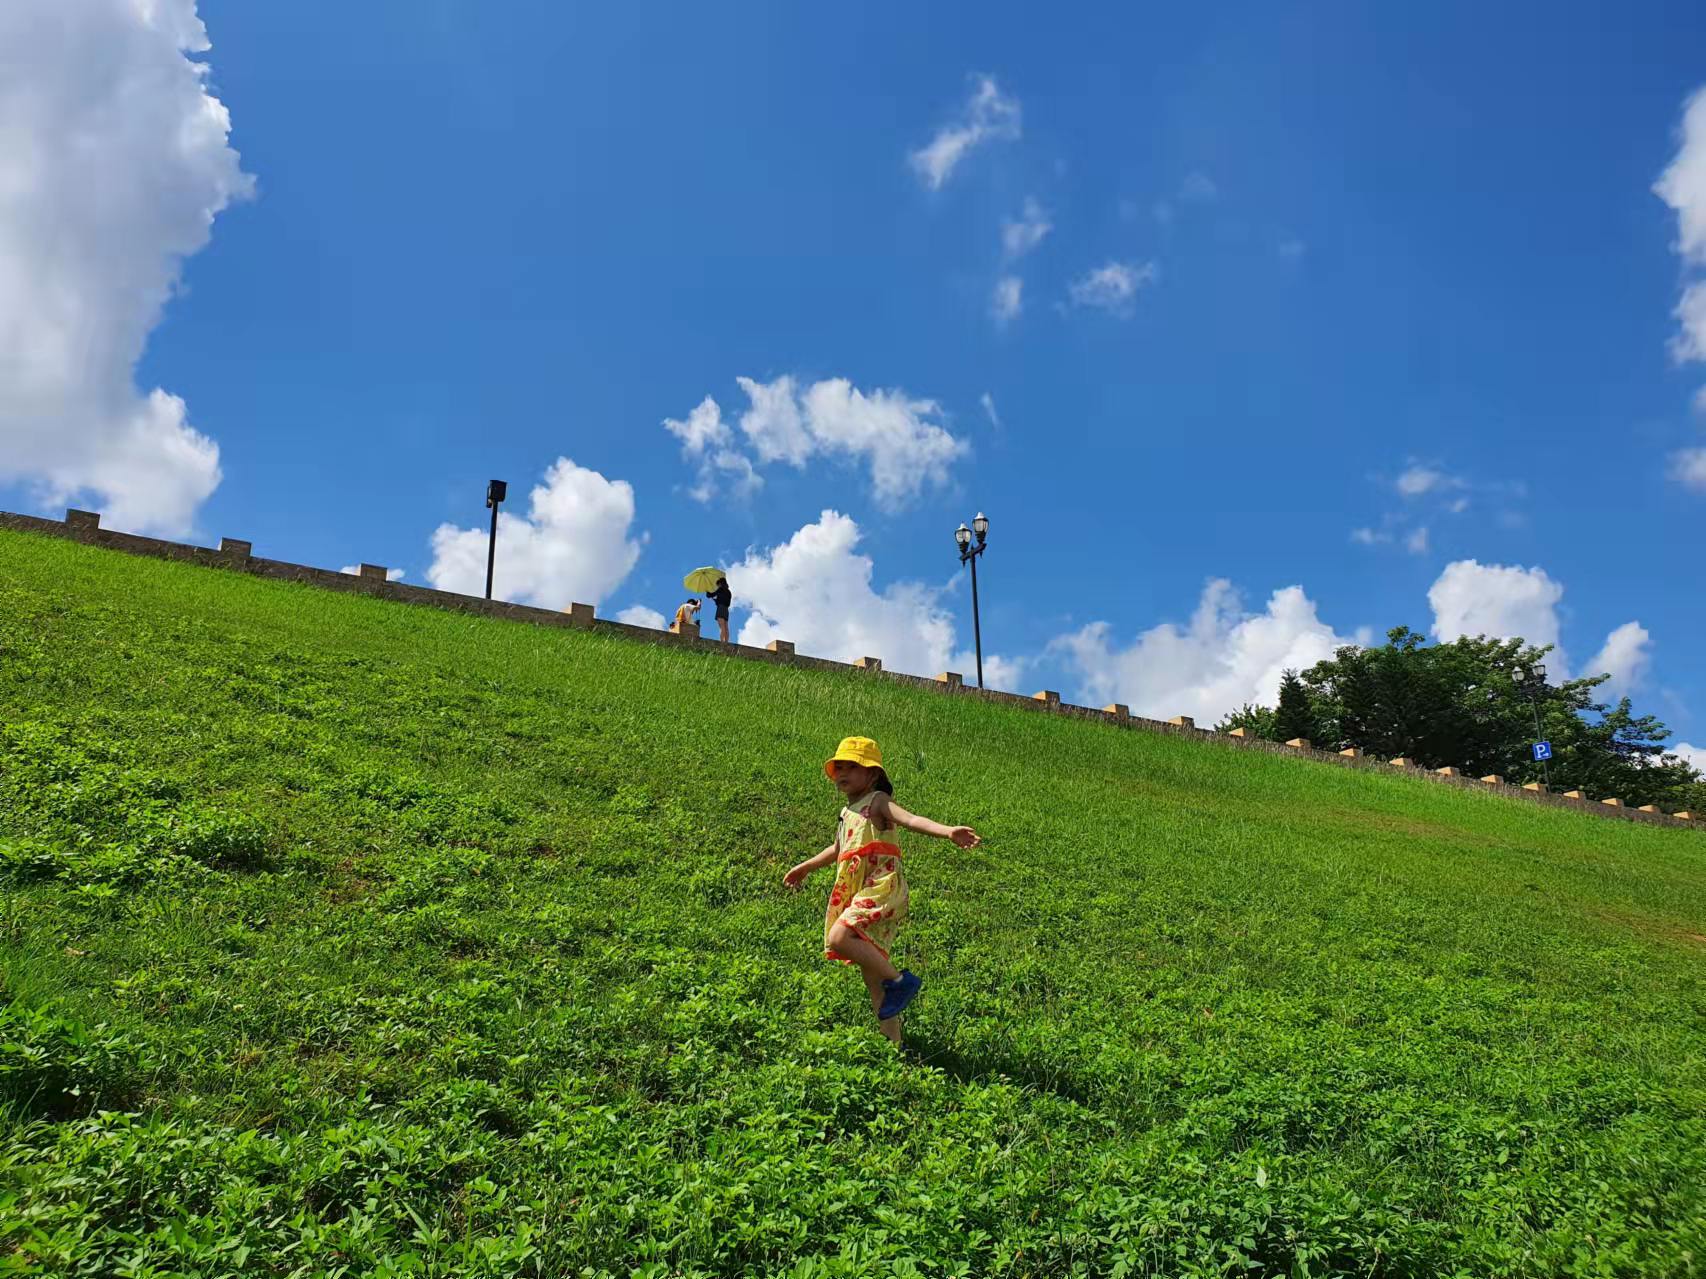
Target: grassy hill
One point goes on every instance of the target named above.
(344, 937)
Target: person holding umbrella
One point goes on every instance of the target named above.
(711, 583)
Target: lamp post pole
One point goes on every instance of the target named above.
(968, 555)
(1531, 679)
(496, 491)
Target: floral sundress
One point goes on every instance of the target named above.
(870, 894)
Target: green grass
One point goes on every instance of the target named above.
(341, 937)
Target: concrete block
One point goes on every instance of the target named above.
(869, 663)
(235, 548)
(1048, 696)
(1612, 803)
(1352, 752)
(1449, 771)
(372, 572)
(953, 679)
(1183, 721)
(782, 648)
(689, 629)
(1300, 743)
(1649, 808)
(582, 615)
(1238, 732)
(1536, 787)
(87, 521)
(1403, 762)
(1119, 710)
(1575, 794)
(1493, 779)
(1687, 816)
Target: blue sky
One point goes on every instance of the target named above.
(1311, 281)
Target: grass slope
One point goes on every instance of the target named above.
(343, 937)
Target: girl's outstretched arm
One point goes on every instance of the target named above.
(797, 876)
(964, 836)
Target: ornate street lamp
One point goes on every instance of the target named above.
(968, 555)
(1531, 683)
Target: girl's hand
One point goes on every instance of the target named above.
(965, 836)
(797, 876)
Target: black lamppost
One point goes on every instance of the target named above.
(1531, 682)
(968, 555)
(496, 491)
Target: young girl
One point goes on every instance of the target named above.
(869, 901)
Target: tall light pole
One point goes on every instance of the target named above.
(1530, 681)
(968, 555)
(496, 491)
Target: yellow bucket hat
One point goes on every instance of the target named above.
(855, 750)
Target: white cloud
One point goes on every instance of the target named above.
(1683, 184)
(1688, 467)
(573, 545)
(816, 591)
(1370, 537)
(1501, 602)
(114, 162)
(1007, 300)
(1626, 657)
(1458, 505)
(1019, 236)
(1690, 343)
(391, 574)
(1223, 659)
(988, 117)
(723, 470)
(1416, 542)
(900, 439)
(1420, 478)
(1695, 755)
(774, 423)
(1199, 187)
(1113, 286)
(988, 402)
(640, 615)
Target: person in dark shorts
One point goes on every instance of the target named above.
(721, 597)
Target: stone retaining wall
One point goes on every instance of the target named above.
(237, 555)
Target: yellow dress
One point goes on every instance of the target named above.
(870, 894)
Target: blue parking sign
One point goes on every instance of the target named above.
(1542, 751)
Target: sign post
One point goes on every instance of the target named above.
(1542, 753)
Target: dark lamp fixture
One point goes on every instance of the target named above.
(962, 535)
(496, 491)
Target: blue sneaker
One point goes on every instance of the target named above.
(898, 993)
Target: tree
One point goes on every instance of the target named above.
(1257, 721)
(1295, 716)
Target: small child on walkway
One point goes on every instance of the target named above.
(869, 902)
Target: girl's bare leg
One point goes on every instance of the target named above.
(875, 968)
(723, 628)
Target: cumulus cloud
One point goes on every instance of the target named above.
(988, 116)
(114, 162)
(1627, 655)
(707, 442)
(1006, 301)
(899, 438)
(574, 544)
(1695, 755)
(1022, 234)
(1683, 184)
(1113, 287)
(1224, 658)
(1688, 468)
(640, 615)
(1506, 602)
(816, 590)
(1470, 598)
(391, 574)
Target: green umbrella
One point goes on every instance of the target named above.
(702, 581)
